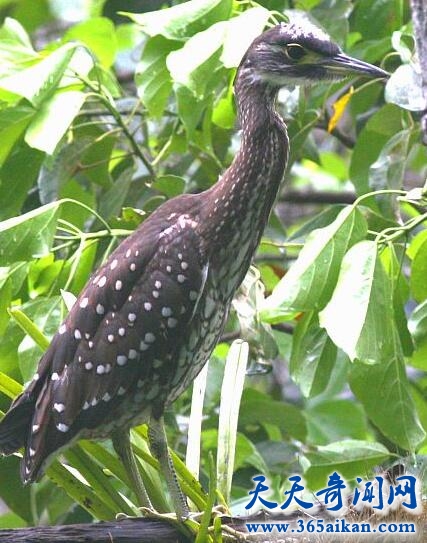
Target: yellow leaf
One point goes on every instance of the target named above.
(339, 108)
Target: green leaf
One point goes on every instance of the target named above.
(358, 317)
(190, 109)
(112, 201)
(5, 301)
(16, 497)
(197, 61)
(377, 19)
(417, 324)
(335, 420)
(393, 267)
(246, 452)
(18, 174)
(257, 408)
(419, 272)
(16, 50)
(170, 185)
(39, 82)
(99, 35)
(311, 279)
(386, 122)
(388, 170)
(13, 122)
(313, 356)
(95, 157)
(183, 20)
(13, 32)
(12, 520)
(385, 394)
(223, 114)
(28, 236)
(53, 119)
(351, 458)
(80, 492)
(152, 78)
(97, 480)
(9, 386)
(320, 220)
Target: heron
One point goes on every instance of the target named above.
(149, 318)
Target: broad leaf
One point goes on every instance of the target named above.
(13, 122)
(257, 408)
(53, 119)
(417, 324)
(40, 81)
(99, 35)
(28, 236)
(313, 356)
(384, 124)
(351, 458)
(388, 170)
(358, 317)
(419, 272)
(153, 80)
(195, 64)
(183, 20)
(334, 420)
(385, 394)
(310, 281)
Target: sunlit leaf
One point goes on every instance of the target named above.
(183, 20)
(362, 294)
(311, 279)
(99, 35)
(195, 63)
(28, 236)
(419, 273)
(39, 81)
(240, 32)
(13, 122)
(53, 119)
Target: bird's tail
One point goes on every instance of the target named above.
(14, 426)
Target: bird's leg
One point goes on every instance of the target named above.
(122, 446)
(159, 449)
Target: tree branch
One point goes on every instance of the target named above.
(318, 197)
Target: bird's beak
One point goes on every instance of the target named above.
(343, 65)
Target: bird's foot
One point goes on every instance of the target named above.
(217, 511)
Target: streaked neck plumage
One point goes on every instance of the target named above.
(239, 204)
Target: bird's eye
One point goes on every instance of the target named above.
(294, 51)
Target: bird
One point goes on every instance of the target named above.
(149, 318)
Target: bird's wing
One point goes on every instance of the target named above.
(119, 340)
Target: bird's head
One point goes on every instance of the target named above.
(298, 54)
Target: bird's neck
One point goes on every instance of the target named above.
(239, 204)
(251, 183)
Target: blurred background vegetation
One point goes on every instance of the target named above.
(109, 108)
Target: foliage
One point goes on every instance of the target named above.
(85, 158)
